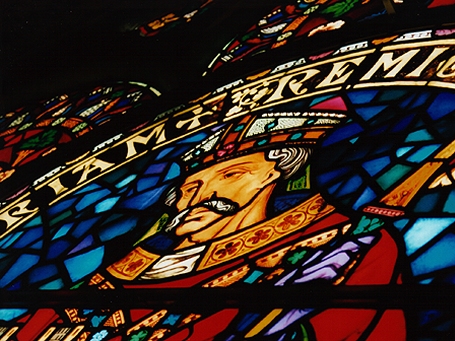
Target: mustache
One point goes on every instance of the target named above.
(222, 206)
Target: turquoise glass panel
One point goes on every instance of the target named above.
(320, 99)
(91, 198)
(62, 231)
(431, 260)
(54, 285)
(10, 239)
(419, 135)
(85, 264)
(117, 229)
(126, 181)
(422, 153)
(424, 230)
(174, 171)
(367, 196)
(390, 177)
(106, 205)
(10, 314)
(449, 205)
(402, 151)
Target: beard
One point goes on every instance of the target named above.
(221, 206)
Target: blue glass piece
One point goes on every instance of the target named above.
(332, 175)
(91, 198)
(54, 285)
(422, 153)
(117, 229)
(87, 242)
(174, 171)
(320, 99)
(431, 260)
(373, 167)
(347, 132)
(402, 124)
(354, 140)
(400, 224)
(361, 97)
(334, 188)
(147, 183)
(11, 239)
(61, 206)
(156, 168)
(164, 152)
(350, 185)
(419, 135)
(29, 237)
(11, 314)
(424, 230)
(144, 200)
(442, 105)
(84, 226)
(57, 248)
(34, 222)
(43, 272)
(369, 112)
(449, 206)
(420, 100)
(106, 204)
(427, 203)
(172, 319)
(126, 181)
(246, 321)
(253, 277)
(406, 101)
(62, 231)
(80, 266)
(195, 138)
(38, 245)
(403, 150)
(367, 196)
(88, 188)
(22, 264)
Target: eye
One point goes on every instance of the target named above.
(233, 174)
(188, 191)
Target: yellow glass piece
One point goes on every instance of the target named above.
(132, 265)
(264, 323)
(404, 193)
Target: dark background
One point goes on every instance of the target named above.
(48, 47)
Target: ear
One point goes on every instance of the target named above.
(272, 177)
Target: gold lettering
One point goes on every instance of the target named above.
(90, 166)
(449, 65)
(435, 53)
(295, 85)
(16, 214)
(338, 74)
(194, 120)
(57, 186)
(386, 61)
(158, 131)
(277, 94)
(47, 334)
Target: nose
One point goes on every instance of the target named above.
(203, 193)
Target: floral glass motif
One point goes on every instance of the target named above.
(333, 173)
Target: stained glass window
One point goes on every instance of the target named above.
(313, 200)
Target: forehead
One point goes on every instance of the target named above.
(251, 161)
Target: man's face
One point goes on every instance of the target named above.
(222, 190)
